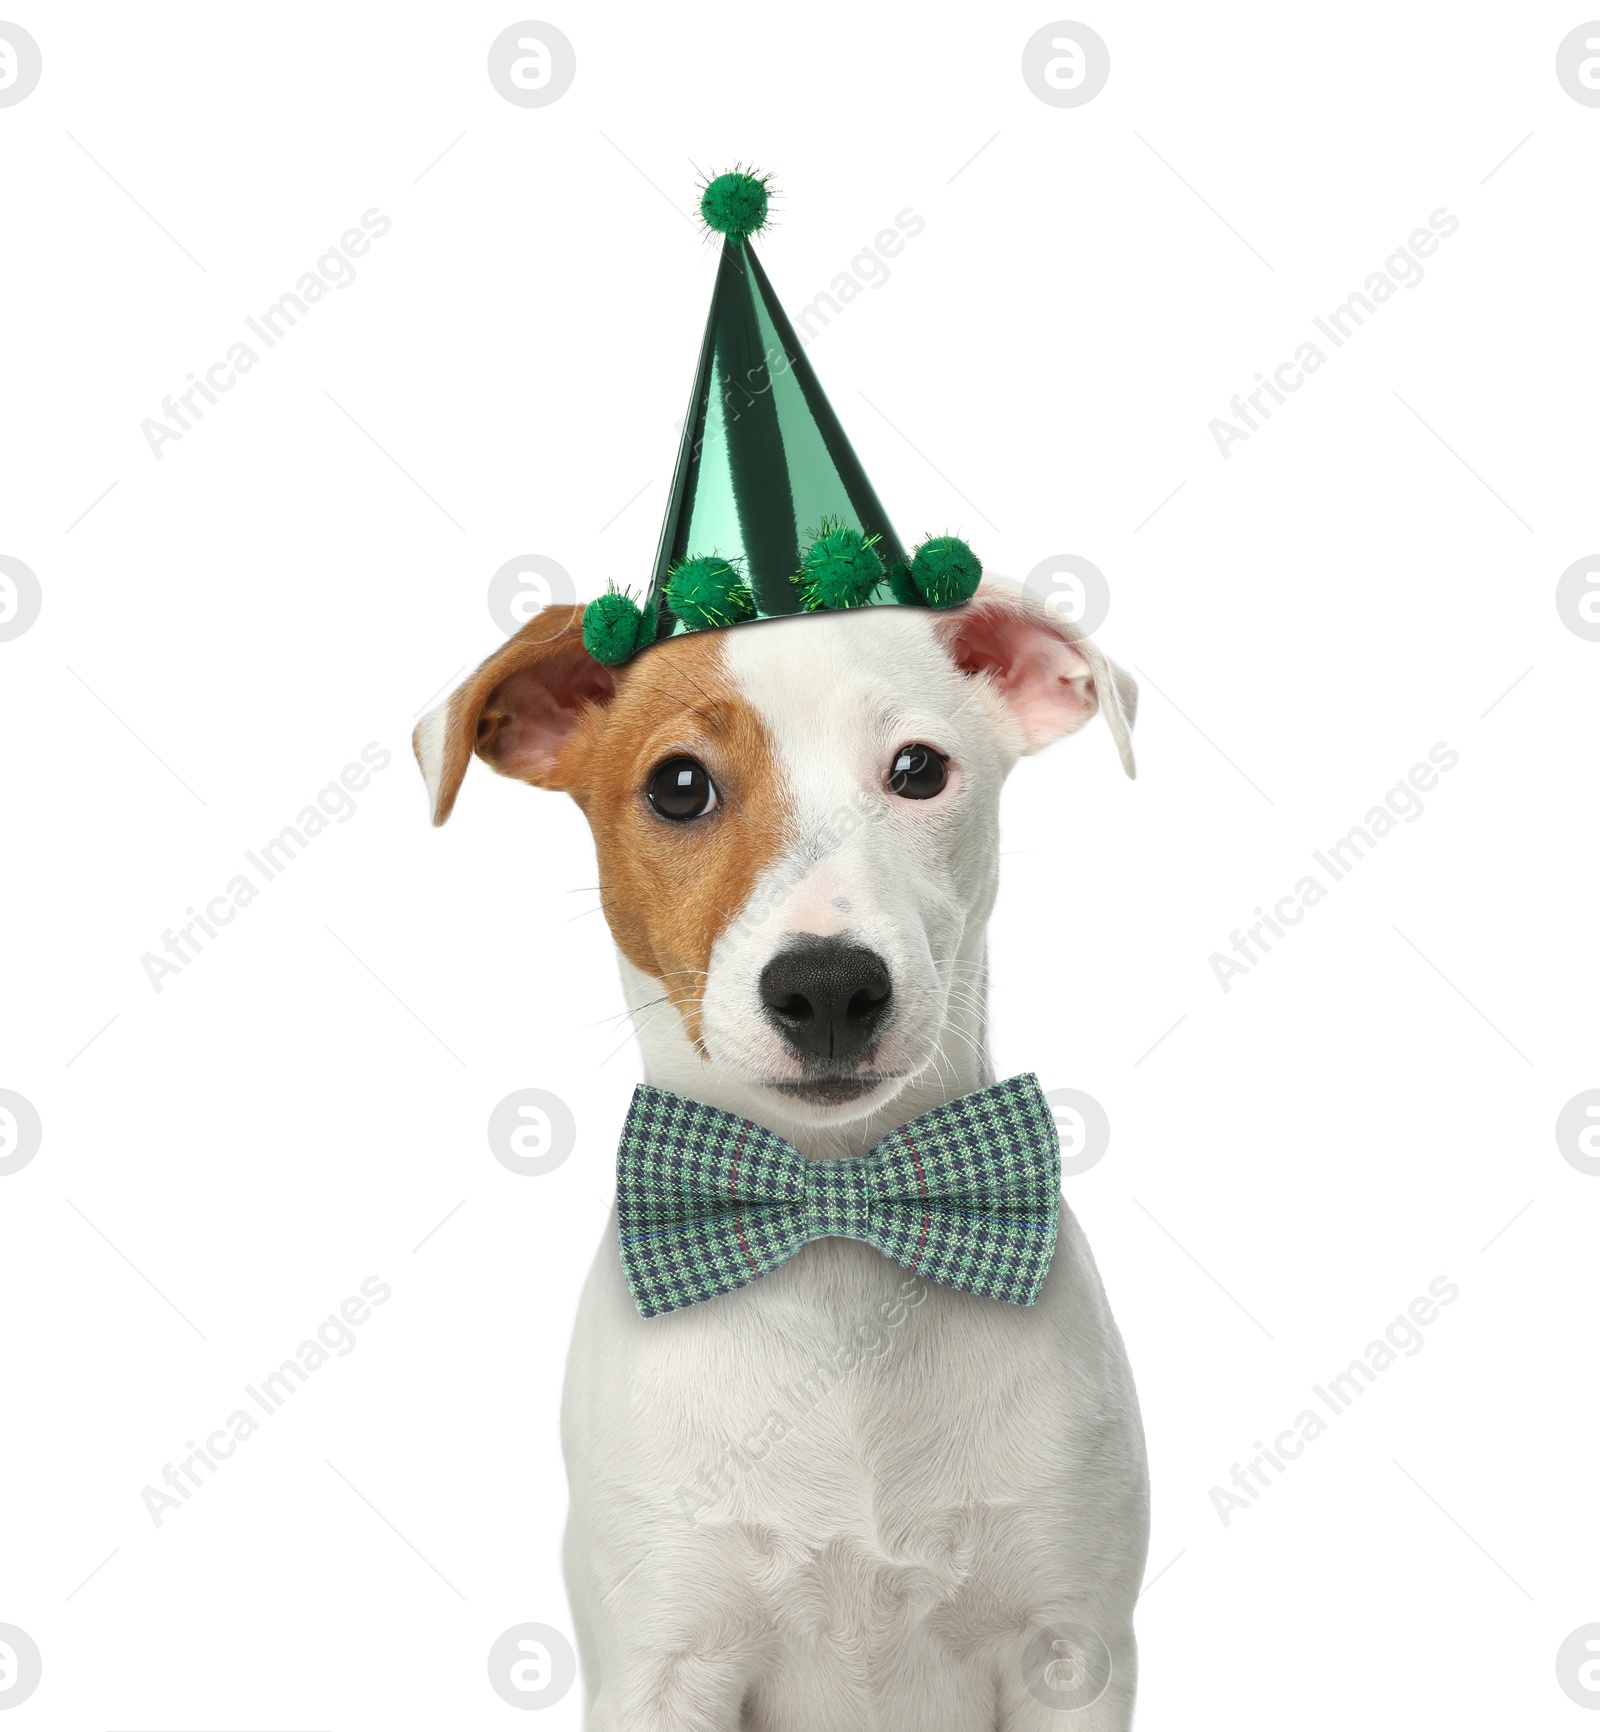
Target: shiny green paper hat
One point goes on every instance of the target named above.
(771, 512)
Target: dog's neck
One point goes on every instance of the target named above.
(960, 1064)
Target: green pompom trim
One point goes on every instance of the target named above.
(946, 571)
(707, 592)
(613, 627)
(904, 589)
(841, 568)
(735, 204)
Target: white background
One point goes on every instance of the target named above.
(306, 1102)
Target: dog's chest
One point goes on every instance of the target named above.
(864, 1450)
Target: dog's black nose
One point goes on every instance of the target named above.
(826, 997)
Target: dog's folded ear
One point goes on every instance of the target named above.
(518, 711)
(1050, 677)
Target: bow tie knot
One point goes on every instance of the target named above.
(838, 1200)
(968, 1195)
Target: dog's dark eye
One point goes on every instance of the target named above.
(918, 773)
(682, 788)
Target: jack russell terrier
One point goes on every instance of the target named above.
(843, 1496)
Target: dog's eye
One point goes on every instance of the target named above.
(918, 773)
(682, 788)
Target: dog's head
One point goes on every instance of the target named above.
(795, 820)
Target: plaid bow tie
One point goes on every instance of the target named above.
(967, 1195)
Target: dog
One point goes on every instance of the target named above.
(840, 1497)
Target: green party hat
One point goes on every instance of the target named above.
(771, 512)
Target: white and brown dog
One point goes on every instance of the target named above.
(838, 1498)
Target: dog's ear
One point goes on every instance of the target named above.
(517, 712)
(1050, 676)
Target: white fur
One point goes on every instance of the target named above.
(430, 740)
(744, 1551)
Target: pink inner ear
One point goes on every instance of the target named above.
(1043, 678)
(530, 716)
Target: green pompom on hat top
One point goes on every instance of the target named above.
(736, 204)
(771, 513)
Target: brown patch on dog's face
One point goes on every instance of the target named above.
(542, 710)
(669, 889)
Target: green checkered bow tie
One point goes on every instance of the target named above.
(967, 1195)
